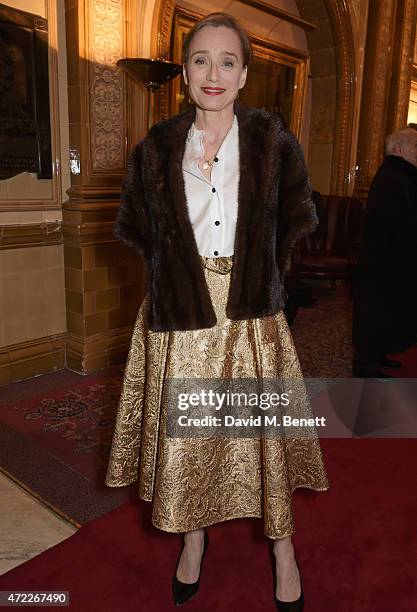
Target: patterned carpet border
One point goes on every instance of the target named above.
(56, 484)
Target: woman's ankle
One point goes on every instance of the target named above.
(283, 548)
(194, 537)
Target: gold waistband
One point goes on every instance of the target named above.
(221, 265)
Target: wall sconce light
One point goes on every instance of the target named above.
(151, 73)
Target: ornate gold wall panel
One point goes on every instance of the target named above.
(346, 86)
(105, 84)
(96, 94)
(334, 86)
(165, 16)
(405, 35)
(387, 77)
(377, 75)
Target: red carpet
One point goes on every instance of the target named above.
(74, 422)
(356, 547)
(62, 423)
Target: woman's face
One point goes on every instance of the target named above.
(214, 72)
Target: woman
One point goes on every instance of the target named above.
(214, 199)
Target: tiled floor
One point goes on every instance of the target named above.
(27, 526)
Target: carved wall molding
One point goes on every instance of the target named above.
(30, 235)
(346, 95)
(165, 11)
(105, 106)
(280, 13)
(355, 6)
(135, 94)
(20, 205)
(32, 357)
(376, 86)
(405, 35)
(105, 36)
(100, 351)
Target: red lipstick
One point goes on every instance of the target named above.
(213, 91)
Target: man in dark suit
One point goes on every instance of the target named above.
(385, 284)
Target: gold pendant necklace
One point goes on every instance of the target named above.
(207, 163)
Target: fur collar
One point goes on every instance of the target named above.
(274, 208)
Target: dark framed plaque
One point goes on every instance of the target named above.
(25, 131)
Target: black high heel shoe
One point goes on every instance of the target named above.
(290, 606)
(181, 590)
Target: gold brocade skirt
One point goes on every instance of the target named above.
(195, 482)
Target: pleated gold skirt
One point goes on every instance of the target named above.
(196, 482)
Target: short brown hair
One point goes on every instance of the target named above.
(217, 20)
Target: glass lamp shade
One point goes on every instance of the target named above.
(152, 73)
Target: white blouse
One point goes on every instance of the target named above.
(212, 205)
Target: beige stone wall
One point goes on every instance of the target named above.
(32, 294)
(32, 304)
